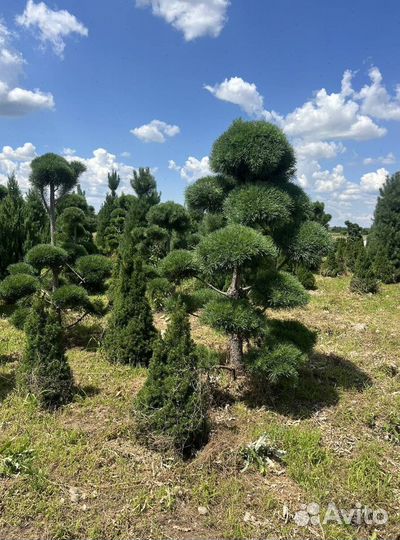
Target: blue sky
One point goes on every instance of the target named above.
(132, 83)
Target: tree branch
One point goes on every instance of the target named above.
(213, 288)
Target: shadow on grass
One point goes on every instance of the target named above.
(318, 387)
(7, 384)
(86, 391)
(88, 336)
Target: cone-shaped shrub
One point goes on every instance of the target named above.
(171, 407)
(44, 371)
(130, 335)
(383, 267)
(364, 280)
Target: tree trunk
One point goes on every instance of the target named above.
(52, 212)
(235, 341)
(236, 354)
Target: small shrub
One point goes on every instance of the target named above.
(364, 280)
(19, 317)
(17, 286)
(44, 370)
(159, 290)
(306, 278)
(171, 406)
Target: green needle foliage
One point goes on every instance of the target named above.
(12, 227)
(171, 408)
(364, 279)
(130, 334)
(384, 240)
(44, 370)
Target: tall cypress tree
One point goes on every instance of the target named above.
(384, 240)
(12, 230)
(172, 404)
(130, 335)
(364, 280)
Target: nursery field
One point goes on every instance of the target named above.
(80, 473)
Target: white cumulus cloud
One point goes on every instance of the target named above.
(318, 150)
(376, 100)
(193, 169)
(53, 26)
(372, 181)
(14, 100)
(194, 18)
(17, 160)
(155, 131)
(389, 159)
(239, 92)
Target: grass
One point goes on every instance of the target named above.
(79, 472)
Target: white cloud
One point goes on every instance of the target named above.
(17, 160)
(53, 26)
(239, 92)
(125, 154)
(16, 101)
(194, 18)
(193, 169)
(155, 131)
(326, 181)
(68, 151)
(372, 181)
(318, 150)
(389, 159)
(94, 181)
(375, 99)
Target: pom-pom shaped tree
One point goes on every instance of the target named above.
(268, 227)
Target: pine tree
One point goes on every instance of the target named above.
(12, 229)
(354, 245)
(384, 239)
(364, 280)
(145, 187)
(171, 406)
(130, 335)
(44, 371)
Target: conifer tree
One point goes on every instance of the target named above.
(269, 225)
(36, 221)
(130, 334)
(12, 229)
(363, 280)
(145, 187)
(44, 370)
(384, 239)
(171, 405)
(354, 245)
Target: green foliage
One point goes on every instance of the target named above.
(178, 265)
(258, 205)
(159, 290)
(319, 215)
(53, 170)
(364, 280)
(21, 268)
(145, 187)
(44, 370)
(330, 267)
(310, 245)
(354, 246)
(170, 216)
(285, 330)
(72, 297)
(277, 363)
(103, 220)
(171, 408)
(46, 256)
(306, 278)
(207, 194)
(36, 221)
(231, 316)
(130, 334)
(211, 223)
(233, 246)
(278, 290)
(94, 269)
(383, 267)
(20, 316)
(12, 229)
(17, 286)
(253, 151)
(385, 232)
(113, 182)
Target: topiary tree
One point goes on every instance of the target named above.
(384, 239)
(130, 334)
(170, 216)
(47, 256)
(54, 177)
(44, 370)
(171, 407)
(363, 280)
(12, 228)
(269, 227)
(94, 270)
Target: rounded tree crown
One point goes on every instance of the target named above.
(253, 151)
(51, 169)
